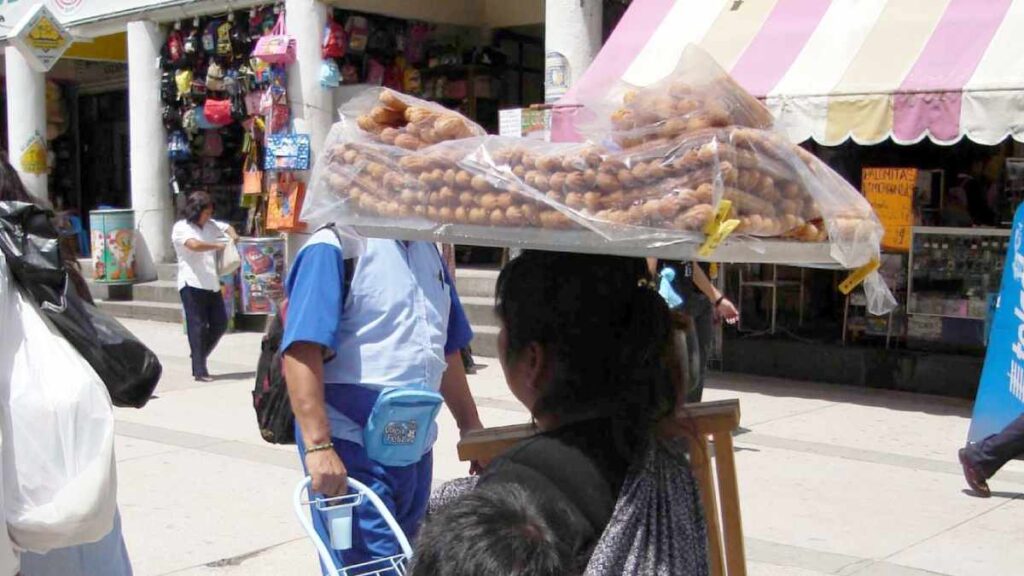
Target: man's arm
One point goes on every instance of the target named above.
(303, 365)
(722, 305)
(455, 390)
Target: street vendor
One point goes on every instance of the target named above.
(362, 337)
(702, 303)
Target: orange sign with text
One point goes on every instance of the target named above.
(891, 193)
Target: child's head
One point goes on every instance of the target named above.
(584, 333)
(496, 530)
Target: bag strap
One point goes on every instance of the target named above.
(280, 28)
(350, 271)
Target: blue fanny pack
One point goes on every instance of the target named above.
(398, 428)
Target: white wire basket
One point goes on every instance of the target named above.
(306, 504)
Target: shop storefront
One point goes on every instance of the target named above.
(916, 105)
(209, 116)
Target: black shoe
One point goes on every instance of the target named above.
(975, 478)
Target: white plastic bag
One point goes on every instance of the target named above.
(59, 475)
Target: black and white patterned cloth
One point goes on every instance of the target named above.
(658, 526)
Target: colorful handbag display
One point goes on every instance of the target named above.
(277, 47)
(287, 152)
(285, 204)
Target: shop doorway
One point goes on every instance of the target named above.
(103, 128)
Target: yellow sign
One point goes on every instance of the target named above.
(33, 156)
(891, 193)
(41, 38)
(858, 276)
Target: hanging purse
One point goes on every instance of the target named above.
(214, 77)
(252, 176)
(217, 112)
(285, 204)
(277, 47)
(287, 152)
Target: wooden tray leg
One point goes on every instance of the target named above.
(732, 524)
(702, 471)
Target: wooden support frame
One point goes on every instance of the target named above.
(714, 423)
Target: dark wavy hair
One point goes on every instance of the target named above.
(608, 333)
(194, 206)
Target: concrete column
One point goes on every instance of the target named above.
(150, 168)
(26, 116)
(572, 38)
(312, 105)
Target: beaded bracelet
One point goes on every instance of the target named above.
(319, 447)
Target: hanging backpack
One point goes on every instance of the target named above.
(175, 53)
(349, 74)
(214, 78)
(225, 49)
(330, 75)
(177, 146)
(168, 89)
(192, 43)
(334, 40)
(358, 30)
(210, 38)
(270, 400)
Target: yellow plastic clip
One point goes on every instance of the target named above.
(711, 244)
(857, 276)
(717, 229)
(721, 215)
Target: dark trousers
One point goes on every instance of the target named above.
(699, 309)
(990, 454)
(206, 321)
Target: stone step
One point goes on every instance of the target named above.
(479, 310)
(141, 310)
(476, 282)
(485, 341)
(159, 291)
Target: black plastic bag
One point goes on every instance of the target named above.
(30, 244)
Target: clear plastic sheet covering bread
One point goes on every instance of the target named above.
(647, 179)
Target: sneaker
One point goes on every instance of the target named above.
(206, 378)
(975, 479)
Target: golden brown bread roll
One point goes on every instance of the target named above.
(390, 99)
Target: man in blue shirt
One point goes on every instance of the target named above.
(400, 324)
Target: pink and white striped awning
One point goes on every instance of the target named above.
(833, 70)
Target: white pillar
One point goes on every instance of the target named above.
(311, 103)
(572, 38)
(26, 116)
(150, 170)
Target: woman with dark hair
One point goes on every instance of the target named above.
(109, 555)
(586, 344)
(198, 239)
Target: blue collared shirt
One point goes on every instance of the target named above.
(401, 318)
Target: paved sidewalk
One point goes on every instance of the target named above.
(833, 480)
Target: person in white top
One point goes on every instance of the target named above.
(198, 240)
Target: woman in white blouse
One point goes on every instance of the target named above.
(198, 240)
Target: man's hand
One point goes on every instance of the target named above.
(474, 467)
(328, 471)
(727, 311)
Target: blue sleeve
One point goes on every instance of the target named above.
(315, 289)
(459, 332)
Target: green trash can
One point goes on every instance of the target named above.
(113, 246)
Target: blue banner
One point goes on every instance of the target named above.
(1001, 392)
